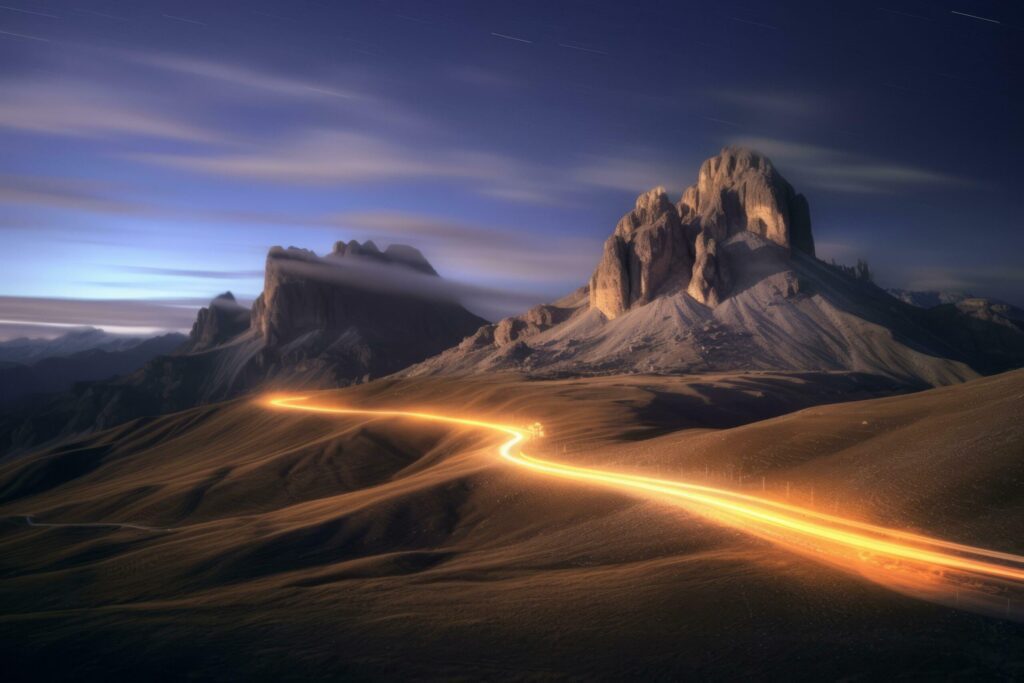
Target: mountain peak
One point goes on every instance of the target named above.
(355, 248)
(735, 160)
(409, 256)
(646, 250)
(224, 298)
(658, 245)
(740, 190)
(395, 254)
(356, 287)
(215, 324)
(649, 207)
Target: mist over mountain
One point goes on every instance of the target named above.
(215, 324)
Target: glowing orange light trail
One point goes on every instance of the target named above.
(742, 509)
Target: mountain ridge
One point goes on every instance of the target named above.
(56, 373)
(321, 321)
(28, 349)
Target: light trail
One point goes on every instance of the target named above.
(852, 543)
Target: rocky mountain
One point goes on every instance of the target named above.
(215, 324)
(975, 306)
(660, 244)
(740, 190)
(726, 279)
(992, 311)
(928, 299)
(353, 315)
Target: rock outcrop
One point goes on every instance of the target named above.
(740, 190)
(357, 311)
(649, 247)
(395, 254)
(977, 307)
(289, 301)
(222, 320)
(511, 330)
(659, 245)
(710, 281)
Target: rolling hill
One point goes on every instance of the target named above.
(367, 548)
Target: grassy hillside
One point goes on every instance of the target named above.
(286, 545)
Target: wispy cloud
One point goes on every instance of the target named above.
(365, 274)
(192, 273)
(110, 314)
(430, 232)
(324, 156)
(62, 193)
(842, 171)
(318, 157)
(328, 131)
(257, 79)
(65, 108)
(760, 102)
(636, 171)
(478, 251)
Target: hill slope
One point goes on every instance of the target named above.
(369, 548)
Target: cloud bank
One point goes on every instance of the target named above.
(53, 316)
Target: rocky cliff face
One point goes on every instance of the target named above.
(649, 247)
(358, 306)
(740, 190)
(222, 320)
(710, 280)
(395, 254)
(509, 331)
(659, 245)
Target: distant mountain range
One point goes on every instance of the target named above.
(723, 280)
(979, 307)
(42, 374)
(27, 350)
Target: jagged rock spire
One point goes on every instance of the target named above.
(647, 248)
(658, 246)
(740, 190)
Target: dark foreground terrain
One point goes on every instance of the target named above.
(235, 542)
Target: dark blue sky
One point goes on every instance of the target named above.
(155, 150)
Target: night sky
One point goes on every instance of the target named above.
(153, 151)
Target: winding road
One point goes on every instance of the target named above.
(30, 520)
(899, 558)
